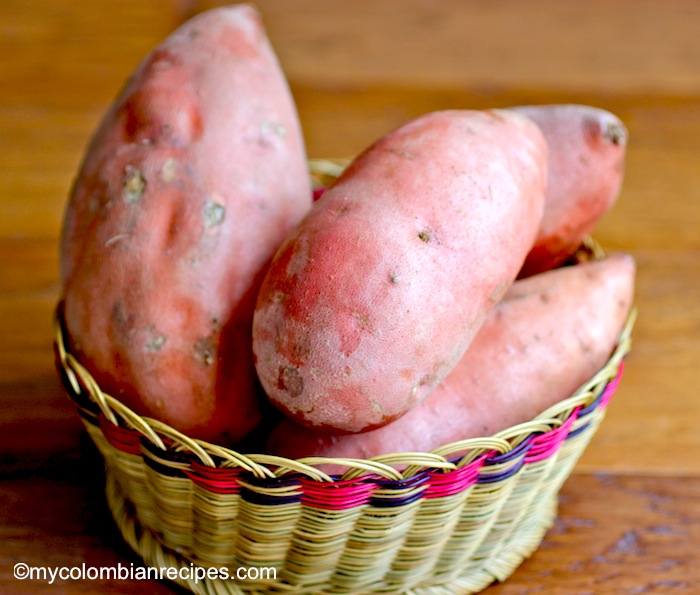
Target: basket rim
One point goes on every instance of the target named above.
(81, 385)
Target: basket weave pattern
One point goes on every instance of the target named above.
(447, 522)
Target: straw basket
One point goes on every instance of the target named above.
(452, 521)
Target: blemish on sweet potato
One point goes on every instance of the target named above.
(616, 133)
(271, 127)
(134, 185)
(427, 379)
(115, 239)
(499, 291)
(407, 373)
(205, 350)
(351, 329)
(155, 343)
(290, 381)
(214, 214)
(93, 204)
(168, 172)
(376, 406)
(279, 297)
(123, 322)
(496, 114)
(343, 210)
(405, 154)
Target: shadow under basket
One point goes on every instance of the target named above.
(449, 522)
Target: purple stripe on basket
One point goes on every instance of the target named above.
(579, 430)
(392, 501)
(167, 456)
(164, 469)
(591, 407)
(408, 485)
(268, 499)
(588, 409)
(410, 482)
(518, 451)
(494, 477)
(602, 401)
(166, 462)
(604, 398)
(291, 480)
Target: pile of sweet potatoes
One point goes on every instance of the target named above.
(429, 294)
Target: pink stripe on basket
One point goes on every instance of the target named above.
(612, 386)
(123, 439)
(343, 495)
(545, 445)
(443, 484)
(220, 480)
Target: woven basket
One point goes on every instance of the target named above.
(452, 521)
(448, 524)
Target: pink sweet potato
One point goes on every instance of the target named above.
(195, 175)
(587, 148)
(550, 334)
(376, 295)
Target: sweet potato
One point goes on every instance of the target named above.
(195, 175)
(376, 295)
(550, 334)
(587, 148)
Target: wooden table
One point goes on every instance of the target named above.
(630, 515)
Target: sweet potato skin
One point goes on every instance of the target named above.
(194, 177)
(376, 295)
(587, 147)
(551, 333)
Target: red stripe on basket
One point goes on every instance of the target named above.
(452, 482)
(545, 445)
(219, 480)
(123, 439)
(343, 495)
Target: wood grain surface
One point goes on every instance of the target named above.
(630, 514)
